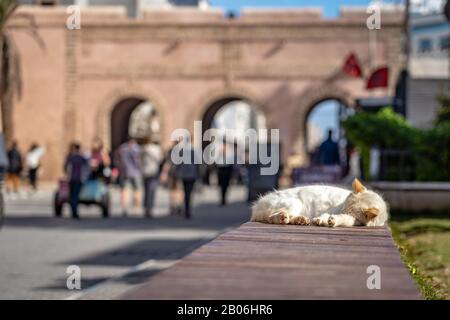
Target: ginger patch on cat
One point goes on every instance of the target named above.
(371, 213)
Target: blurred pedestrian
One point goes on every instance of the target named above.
(99, 160)
(130, 174)
(76, 168)
(225, 168)
(170, 178)
(33, 163)
(4, 162)
(14, 169)
(188, 172)
(329, 151)
(3, 168)
(151, 159)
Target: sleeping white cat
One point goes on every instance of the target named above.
(322, 205)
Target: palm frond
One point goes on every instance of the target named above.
(7, 8)
(10, 73)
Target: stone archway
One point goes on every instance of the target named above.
(210, 103)
(120, 119)
(205, 101)
(311, 97)
(117, 96)
(233, 113)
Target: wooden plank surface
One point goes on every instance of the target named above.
(263, 261)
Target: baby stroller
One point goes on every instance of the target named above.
(93, 192)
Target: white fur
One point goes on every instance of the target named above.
(321, 205)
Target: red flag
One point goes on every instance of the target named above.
(378, 78)
(351, 66)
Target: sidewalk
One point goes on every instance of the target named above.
(114, 254)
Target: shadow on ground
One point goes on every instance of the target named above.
(129, 256)
(138, 252)
(205, 217)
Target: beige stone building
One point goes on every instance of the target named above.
(187, 63)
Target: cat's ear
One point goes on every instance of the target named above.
(358, 186)
(371, 213)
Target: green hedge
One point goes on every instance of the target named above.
(386, 129)
(433, 164)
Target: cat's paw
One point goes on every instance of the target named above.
(318, 221)
(280, 217)
(315, 221)
(301, 220)
(331, 221)
(283, 218)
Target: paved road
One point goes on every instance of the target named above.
(114, 254)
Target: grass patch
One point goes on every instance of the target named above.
(423, 239)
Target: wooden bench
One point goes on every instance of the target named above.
(263, 261)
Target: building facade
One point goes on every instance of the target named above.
(133, 7)
(429, 67)
(187, 63)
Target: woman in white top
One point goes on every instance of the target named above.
(33, 163)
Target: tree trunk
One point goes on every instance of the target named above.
(1, 84)
(7, 102)
(6, 91)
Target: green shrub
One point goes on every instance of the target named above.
(386, 129)
(433, 163)
(443, 114)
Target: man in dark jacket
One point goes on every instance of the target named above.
(188, 172)
(77, 171)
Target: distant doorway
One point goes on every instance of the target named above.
(134, 118)
(231, 117)
(324, 116)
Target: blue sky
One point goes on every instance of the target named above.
(325, 117)
(330, 7)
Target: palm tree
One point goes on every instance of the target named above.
(7, 7)
(10, 80)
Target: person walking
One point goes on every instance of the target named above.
(33, 163)
(130, 174)
(76, 168)
(225, 169)
(169, 177)
(188, 172)
(99, 160)
(3, 168)
(14, 169)
(151, 158)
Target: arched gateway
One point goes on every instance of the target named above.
(182, 61)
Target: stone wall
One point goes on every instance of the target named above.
(415, 196)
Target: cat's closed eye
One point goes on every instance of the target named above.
(371, 213)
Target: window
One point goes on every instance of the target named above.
(425, 45)
(443, 43)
